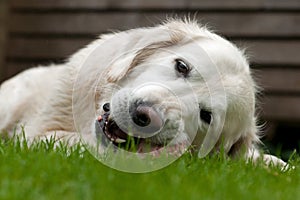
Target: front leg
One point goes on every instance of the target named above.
(255, 156)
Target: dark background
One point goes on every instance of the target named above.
(36, 32)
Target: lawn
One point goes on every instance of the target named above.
(41, 172)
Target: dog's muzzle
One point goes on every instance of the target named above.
(137, 126)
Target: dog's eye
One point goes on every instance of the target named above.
(106, 107)
(206, 116)
(182, 67)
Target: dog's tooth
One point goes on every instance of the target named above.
(119, 140)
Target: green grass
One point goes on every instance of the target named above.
(42, 172)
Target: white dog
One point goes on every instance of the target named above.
(174, 83)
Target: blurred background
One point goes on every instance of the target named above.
(36, 32)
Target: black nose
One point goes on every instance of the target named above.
(141, 117)
(146, 117)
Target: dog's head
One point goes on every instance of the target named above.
(177, 83)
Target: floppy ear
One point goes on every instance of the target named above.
(134, 46)
(113, 55)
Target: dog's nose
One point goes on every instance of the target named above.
(146, 117)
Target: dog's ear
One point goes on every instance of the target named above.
(131, 48)
(113, 55)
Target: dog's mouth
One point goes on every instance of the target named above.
(115, 135)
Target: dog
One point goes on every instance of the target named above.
(177, 83)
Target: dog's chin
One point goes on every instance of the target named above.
(108, 132)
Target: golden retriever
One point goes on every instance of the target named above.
(175, 84)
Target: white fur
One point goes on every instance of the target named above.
(44, 100)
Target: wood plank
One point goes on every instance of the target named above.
(229, 24)
(286, 108)
(75, 23)
(278, 80)
(133, 4)
(274, 52)
(96, 4)
(244, 4)
(262, 52)
(51, 48)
